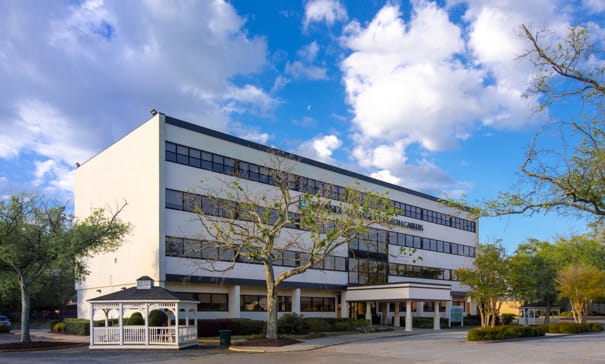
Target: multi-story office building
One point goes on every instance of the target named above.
(166, 162)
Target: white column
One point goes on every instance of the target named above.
(436, 323)
(234, 303)
(385, 313)
(408, 315)
(92, 317)
(344, 305)
(419, 309)
(176, 325)
(121, 323)
(296, 301)
(368, 312)
(146, 323)
(396, 315)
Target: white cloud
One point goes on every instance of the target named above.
(304, 67)
(78, 77)
(320, 147)
(328, 11)
(594, 6)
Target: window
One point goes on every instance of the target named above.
(317, 304)
(174, 247)
(174, 199)
(213, 302)
(259, 303)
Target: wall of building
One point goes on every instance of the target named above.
(127, 171)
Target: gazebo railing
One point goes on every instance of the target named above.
(136, 335)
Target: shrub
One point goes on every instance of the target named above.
(4, 328)
(349, 324)
(507, 318)
(135, 319)
(58, 327)
(77, 326)
(52, 323)
(571, 328)
(292, 324)
(248, 326)
(503, 332)
(157, 318)
(318, 324)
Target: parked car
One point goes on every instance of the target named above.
(5, 320)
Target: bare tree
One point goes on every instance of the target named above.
(275, 225)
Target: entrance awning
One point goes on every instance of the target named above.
(400, 292)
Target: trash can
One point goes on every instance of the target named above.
(225, 337)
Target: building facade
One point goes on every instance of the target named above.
(166, 162)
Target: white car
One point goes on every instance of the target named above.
(5, 320)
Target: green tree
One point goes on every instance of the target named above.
(38, 236)
(581, 284)
(242, 222)
(487, 281)
(569, 178)
(533, 271)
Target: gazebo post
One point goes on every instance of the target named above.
(176, 324)
(146, 323)
(92, 316)
(121, 323)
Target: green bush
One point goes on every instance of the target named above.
(248, 326)
(571, 328)
(291, 324)
(58, 327)
(77, 326)
(507, 318)
(4, 328)
(157, 318)
(503, 332)
(52, 323)
(350, 324)
(318, 324)
(135, 319)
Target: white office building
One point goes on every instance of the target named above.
(156, 167)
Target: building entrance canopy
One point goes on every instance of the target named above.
(400, 292)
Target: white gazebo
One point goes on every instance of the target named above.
(180, 330)
(535, 313)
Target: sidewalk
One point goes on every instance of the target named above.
(41, 334)
(312, 344)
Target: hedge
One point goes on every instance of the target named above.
(571, 328)
(79, 327)
(211, 327)
(4, 328)
(503, 332)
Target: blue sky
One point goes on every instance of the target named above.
(423, 94)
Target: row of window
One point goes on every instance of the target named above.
(408, 270)
(201, 249)
(375, 240)
(220, 164)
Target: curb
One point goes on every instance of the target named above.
(66, 346)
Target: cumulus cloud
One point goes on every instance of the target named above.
(320, 147)
(327, 11)
(78, 76)
(304, 67)
(430, 82)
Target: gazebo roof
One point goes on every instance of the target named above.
(142, 293)
(537, 305)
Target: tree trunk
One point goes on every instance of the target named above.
(272, 302)
(547, 313)
(25, 305)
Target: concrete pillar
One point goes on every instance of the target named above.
(408, 315)
(369, 312)
(448, 307)
(385, 313)
(396, 316)
(344, 306)
(234, 302)
(436, 324)
(420, 309)
(296, 301)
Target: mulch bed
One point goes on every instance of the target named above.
(261, 341)
(36, 345)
